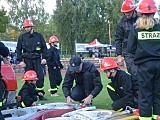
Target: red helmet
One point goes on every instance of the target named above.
(53, 39)
(28, 23)
(127, 6)
(147, 6)
(30, 75)
(108, 63)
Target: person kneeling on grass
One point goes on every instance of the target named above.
(120, 88)
(28, 91)
(87, 78)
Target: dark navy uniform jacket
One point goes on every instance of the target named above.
(28, 93)
(31, 46)
(145, 44)
(121, 36)
(78, 77)
(53, 58)
(123, 86)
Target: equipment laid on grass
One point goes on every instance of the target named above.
(60, 111)
(127, 111)
(90, 113)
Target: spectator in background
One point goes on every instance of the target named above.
(81, 56)
(90, 52)
(14, 59)
(96, 52)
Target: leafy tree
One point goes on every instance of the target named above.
(28, 9)
(159, 12)
(12, 33)
(113, 14)
(84, 20)
(64, 24)
(4, 21)
(73, 21)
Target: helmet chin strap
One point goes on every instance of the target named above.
(55, 46)
(110, 76)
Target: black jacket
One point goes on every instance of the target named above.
(146, 46)
(32, 46)
(123, 86)
(53, 58)
(78, 77)
(4, 51)
(28, 93)
(121, 36)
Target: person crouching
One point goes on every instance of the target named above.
(120, 88)
(28, 91)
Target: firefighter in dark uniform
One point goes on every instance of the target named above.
(120, 87)
(144, 42)
(87, 81)
(54, 66)
(121, 39)
(4, 51)
(28, 91)
(34, 53)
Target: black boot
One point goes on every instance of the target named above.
(43, 98)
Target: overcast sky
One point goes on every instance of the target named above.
(51, 4)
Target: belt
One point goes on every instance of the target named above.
(32, 53)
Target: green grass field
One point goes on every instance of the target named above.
(102, 101)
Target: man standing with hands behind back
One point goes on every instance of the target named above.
(34, 50)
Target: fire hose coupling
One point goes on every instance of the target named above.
(132, 110)
(18, 98)
(81, 105)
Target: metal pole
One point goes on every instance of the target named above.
(75, 41)
(76, 29)
(74, 2)
(26, 9)
(109, 33)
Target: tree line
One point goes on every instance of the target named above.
(73, 21)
